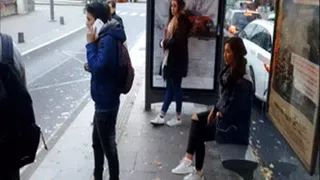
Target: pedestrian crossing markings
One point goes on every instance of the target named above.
(123, 13)
(131, 14)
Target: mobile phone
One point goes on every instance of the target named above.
(97, 26)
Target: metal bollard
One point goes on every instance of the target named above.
(61, 20)
(21, 37)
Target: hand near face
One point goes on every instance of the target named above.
(91, 35)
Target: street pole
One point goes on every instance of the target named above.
(52, 10)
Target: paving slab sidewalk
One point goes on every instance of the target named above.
(149, 153)
(37, 27)
(145, 152)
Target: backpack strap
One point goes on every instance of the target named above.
(6, 49)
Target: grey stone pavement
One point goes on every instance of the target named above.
(37, 27)
(145, 152)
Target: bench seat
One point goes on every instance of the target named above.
(238, 158)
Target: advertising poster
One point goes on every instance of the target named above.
(293, 103)
(202, 42)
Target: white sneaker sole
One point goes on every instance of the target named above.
(176, 124)
(183, 172)
(157, 123)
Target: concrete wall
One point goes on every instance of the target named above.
(12, 7)
(8, 8)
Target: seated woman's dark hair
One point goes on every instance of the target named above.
(239, 62)
(99, 11)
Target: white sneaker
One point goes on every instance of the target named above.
(194, 176)
(184, 167)
(174, 122)
(157, 120)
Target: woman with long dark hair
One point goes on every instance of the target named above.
(176, 44)
(229, 121)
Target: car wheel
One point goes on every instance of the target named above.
(253, 80)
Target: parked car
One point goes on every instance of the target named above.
(203, 27)
(230, 4)
(236, 20)
(258, 39)
(272, 16)
(249, 5)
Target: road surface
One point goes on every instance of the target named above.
(56, 80)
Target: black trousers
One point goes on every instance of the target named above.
(200, 132)
(15, 175)
(104, 143)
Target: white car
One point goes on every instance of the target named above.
(243, 4)
(258, 39)
(236, 20)
(272, 17)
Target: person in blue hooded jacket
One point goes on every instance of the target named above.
(103, 65)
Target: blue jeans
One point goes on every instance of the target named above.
(104, 143)
(173, 92)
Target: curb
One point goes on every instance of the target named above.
(59, 3)
(27, 171)
(52, 43)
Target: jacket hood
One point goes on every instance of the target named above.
(114, 29)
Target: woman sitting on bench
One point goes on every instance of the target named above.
(229, 121)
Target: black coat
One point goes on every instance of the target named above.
(178, 49)
(235, 104)
(16, 116)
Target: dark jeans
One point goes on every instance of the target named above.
(15, 175)
(200, 132)
(173, 90)
(104, 143)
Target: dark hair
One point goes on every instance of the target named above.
(99, 11)
(239, 62)
(181, 6)
(112, 2)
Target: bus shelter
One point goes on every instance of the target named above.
(205, 50)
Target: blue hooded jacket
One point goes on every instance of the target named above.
(102, 57)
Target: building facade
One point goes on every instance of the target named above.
(13, 7)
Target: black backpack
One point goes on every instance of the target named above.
(125, 74)
(19, 133)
